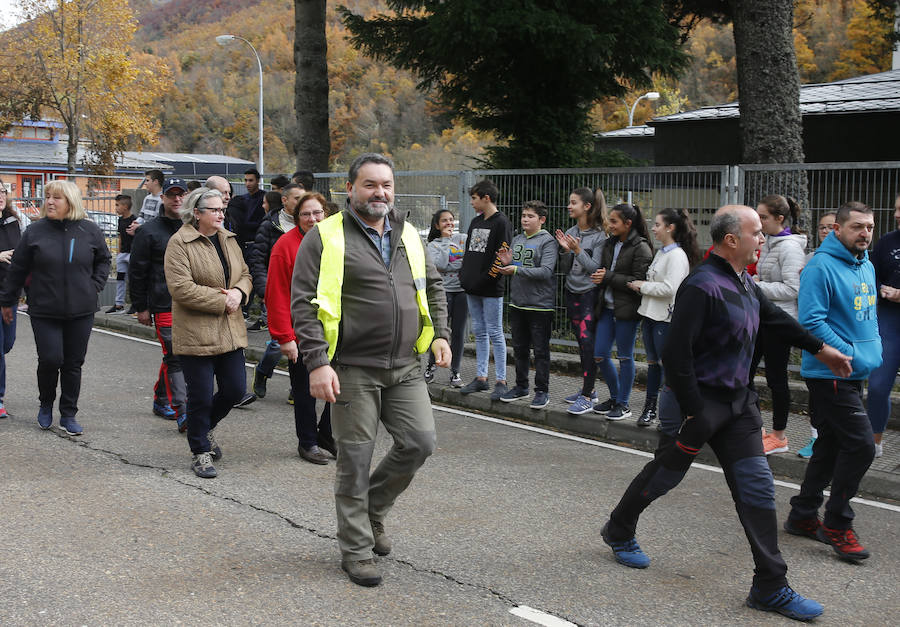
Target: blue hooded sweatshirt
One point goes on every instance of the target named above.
(837, 304)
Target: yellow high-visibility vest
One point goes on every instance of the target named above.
(331, 280)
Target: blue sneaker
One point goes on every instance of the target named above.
(628, 553)
(165, 411)
(540, 400)
(70, 425)
(806, 451)
(45, 417)
(581, 405)
(571, 398)
(514, 394)
(787, 603)
(181, 421)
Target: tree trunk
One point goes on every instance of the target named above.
(72, 147)
(312, 141)
(769, 92)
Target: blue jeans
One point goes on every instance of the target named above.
(487, 325)
(882, 378)
(269, 359)
(623, 333)
(7, 339)
(654, 334)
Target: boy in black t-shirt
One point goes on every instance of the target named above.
(123, 210)
(489, 233)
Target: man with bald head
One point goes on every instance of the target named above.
(222, 185)
(717, 314)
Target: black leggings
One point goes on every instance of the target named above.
(580, 308)
(61, 347)
(776, 353)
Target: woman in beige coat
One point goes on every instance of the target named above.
(209, 282)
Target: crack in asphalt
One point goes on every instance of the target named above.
(167, 473)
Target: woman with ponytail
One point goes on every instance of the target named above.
(625, 258)
(673, 229)
(579, 250)
(778, 277)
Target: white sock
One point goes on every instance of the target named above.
(814, 432)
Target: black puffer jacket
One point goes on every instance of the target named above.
(10, 234)
(146, 273)
(631, 265)
(258, 258)
(68, 262)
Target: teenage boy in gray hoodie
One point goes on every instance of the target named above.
(532, 264)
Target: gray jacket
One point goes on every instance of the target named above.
(578, 268)
(447, 255)
(533, 286)
(379, 316)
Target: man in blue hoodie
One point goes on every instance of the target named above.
(837, 302)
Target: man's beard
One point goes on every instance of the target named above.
(382, 209)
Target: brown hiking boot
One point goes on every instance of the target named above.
(362, 572)
(382, 542)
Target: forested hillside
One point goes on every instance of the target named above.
(212, 104)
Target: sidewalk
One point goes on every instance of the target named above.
(883, 478)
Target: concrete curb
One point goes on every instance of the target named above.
(876, 483)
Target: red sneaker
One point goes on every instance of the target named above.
(844, 542)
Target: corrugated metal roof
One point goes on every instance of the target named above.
(873, 92)
(628, 132)
(53, 154)
(187, 157)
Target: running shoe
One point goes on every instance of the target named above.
(619, 412)
(773, 444)
(429, 373)
(605, 407)
(163, 410)
(202, 466)
(514, 394)
(70, 425)
(807, 451)
(628, 553)
(807, 527)
(581, 405)
(571, 398)
(45, 417)
(540, 400)
(785, 602)
(455, 379)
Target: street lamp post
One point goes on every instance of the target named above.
(650, 95)
(224, 40)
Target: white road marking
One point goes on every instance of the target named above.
(563, 436)
(539, 617)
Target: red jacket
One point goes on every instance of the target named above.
(278, 286)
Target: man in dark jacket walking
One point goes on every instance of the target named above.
(717, 314)
(150, 298)
(273, 226)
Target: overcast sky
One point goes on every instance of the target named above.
(7, 11)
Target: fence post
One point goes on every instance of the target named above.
(466, 212)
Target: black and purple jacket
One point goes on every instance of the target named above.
(710, 342)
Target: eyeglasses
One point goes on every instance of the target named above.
(3, 191)
(216, 210)
(175, 194)
(309, 214)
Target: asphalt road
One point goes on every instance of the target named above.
(114, 528)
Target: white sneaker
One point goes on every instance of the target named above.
(879, 449)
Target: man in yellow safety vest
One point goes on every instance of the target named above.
(366, 302)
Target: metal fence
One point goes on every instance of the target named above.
(699, 189)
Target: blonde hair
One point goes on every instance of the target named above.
(71, 193)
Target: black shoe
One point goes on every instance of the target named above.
(259, 325)
(362, 572)
(115, 309)
(131, 311)
(248, 398)
(429, 373)
(649, 414)
(259, 383)
(313, 455)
